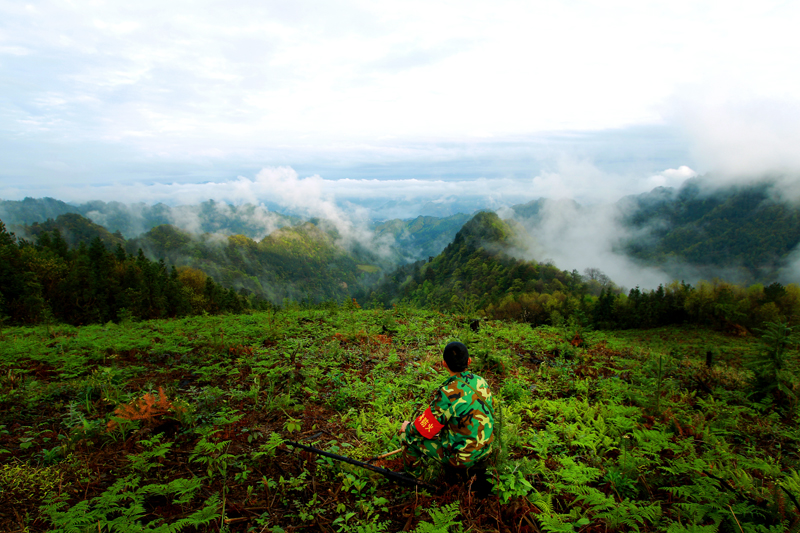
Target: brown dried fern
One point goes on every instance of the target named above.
(146, 408)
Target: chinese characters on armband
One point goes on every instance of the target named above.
(427, 425)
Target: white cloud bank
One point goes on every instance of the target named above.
(672, 177)
(576, 238)
(315, 196)
(742, 141)
(209, 78)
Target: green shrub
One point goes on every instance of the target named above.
(772, 373)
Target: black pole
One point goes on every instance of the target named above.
(394, 476)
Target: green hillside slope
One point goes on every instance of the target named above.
(421, 237)
(745, 228)
(187, 424)
(75, 230)
(475, 272)
(300, 263)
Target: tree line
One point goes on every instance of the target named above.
(474, 275)
(49, 281)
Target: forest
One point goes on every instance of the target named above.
(740, 227)
(49, 282)
(476, 273)
(111, 278)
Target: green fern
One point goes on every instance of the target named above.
(558, 523)
(627, 515)
(691, 528)
(443, 518)
(574, 474)
(376, 527)
(543, 502)
(268, 449)
(121, 508)
(791, 485)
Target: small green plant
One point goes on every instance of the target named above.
(213, 454)
(22, 482)
(79, 426)
(444, 520)
(511, 483)
(268, 449)
(623, 485)
(292, 424)
(148, 459)
(121, 508)
(515, 390)
(772, 373)
(659, 374)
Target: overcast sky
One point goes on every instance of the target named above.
(179, 101)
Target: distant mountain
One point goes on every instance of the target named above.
(744, 234)
(421, 237)
(746, 229)
(476, 272)
(300, 262)
(409, 240)
(75, 229)
(30, 210)
(533, 210)
(132, 220)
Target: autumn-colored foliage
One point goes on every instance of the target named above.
(145, 408)
(240, 350)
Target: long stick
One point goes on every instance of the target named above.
(387, 454)
(394, 476)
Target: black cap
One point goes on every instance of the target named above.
(456, 356)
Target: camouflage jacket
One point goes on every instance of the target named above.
(464, 409)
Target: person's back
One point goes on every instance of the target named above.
(470, 429)
(457, 429)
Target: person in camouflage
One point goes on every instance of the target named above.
(457, 428)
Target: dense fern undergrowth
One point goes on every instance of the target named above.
(181, 425)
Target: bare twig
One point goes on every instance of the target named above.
(387, 454)
(531, 523)
(737, 520)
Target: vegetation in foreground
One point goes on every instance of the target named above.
(179, 424)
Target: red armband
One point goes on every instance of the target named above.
(427, 425)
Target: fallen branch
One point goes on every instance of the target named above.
(387, 454)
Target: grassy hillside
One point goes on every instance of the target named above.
(183, 422)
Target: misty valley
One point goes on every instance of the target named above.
(157, 362)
